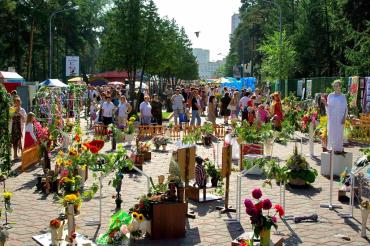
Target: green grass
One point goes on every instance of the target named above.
(165, 115)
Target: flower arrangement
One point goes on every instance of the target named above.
(142, 207)
(55, 223)
(262, 223)
(144, 147)
(310, 117)
(160, 140)
(130, 129)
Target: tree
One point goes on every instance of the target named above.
(272, 69)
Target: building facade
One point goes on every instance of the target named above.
(235, 21)
(207, 69)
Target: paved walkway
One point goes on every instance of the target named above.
(33, 210)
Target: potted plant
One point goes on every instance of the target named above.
(144, 148)
(164, 142)
(175, 177)
(157, 141)
(262, 223)
(268, 135)
(365, 208)
(323, 132)
(254, 166)
(130, 130)
(298, 170)
(4, 234)
(212, 172)
(250, 138)
(207, 130)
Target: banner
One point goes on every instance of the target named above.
(354, 90)
(299, 88)
(72, 66)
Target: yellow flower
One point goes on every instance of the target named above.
(83, 167)
(7, 195)
(140, 218)
(72, 151)
(59, 161)
(135, 215)
(60, 153)
(70, 198)
(68, 163)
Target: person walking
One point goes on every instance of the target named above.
(177, 105)
(29, 136)
(195, 108)
(212, 109)
(18, 119)
(277, 111)
(225, 111)
(156, 110)
(124, 108)
(146, 111)
(233, 104)
(107, 111)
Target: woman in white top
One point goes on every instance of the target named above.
(107, 111)
(29, 136)
(124, 108)
(146, 111)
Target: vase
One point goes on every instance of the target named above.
(364, 216)
(157, 146)
(129, 138)
(82, 173)
(265, 237)
(180, 194)
(164, 146)
(54, 236)
(267, 146)
(60, 231)
(71, 222)
(214, 182)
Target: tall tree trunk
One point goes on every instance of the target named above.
(30, 51)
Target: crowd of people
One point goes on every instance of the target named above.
(109, 104)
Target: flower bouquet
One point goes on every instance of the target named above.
(261, 223)
(7, 195)
(56, 229)
(309, 118)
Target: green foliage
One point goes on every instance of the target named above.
(207, 128)
(211, 170)
(5, 164)
(249, 134)
(278, 62)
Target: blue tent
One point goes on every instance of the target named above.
(243, 83)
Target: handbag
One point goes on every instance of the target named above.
(182, 118)
(31, 156)
(231, 107)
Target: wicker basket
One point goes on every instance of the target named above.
(298, 182)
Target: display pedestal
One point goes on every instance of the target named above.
(45, 240)
(275, 240)
(255, 170)
(200, 194)
(340, 163)
(168, 220)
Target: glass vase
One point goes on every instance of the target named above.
(265, 237)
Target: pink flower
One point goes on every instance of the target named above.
(124, 229)
(279, 209)
(64, 173)
(274, 219)
(252, 211)
(248, 203)
(267, 204)
(257, 193)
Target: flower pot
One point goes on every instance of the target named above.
(139, 159)
(265, 237)
(147, 155)
(60, 231)
(157, 146)
(164, 146)
(214, 182)
(207, 140)
(298, 182)
(364, 216)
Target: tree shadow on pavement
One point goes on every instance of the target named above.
(293, 238)
(307, 191)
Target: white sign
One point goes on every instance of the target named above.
(299, 87)
(72, 66)
(309, 88)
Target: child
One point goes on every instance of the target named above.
(29, 138)
(262, 114)
(93, 110)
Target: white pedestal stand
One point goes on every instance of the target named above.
(331, 206)
(311, 142)
(238, 201)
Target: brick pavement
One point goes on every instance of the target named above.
(33, 210)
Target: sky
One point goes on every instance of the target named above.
(212, 18)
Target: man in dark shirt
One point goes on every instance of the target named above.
(195, 108)
(156, 110)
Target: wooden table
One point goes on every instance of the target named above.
(168, 220)
(275, 240)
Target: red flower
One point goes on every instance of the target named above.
(279, 209)
(248, 203)
(94, 146)
(77, 138)
(267, 204)
(259, 205)
(257, 193)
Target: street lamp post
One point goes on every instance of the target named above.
(50, 34)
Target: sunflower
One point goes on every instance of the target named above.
(135, 215)
(7, 195)
(140, 218)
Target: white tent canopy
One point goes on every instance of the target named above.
(53, 83)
